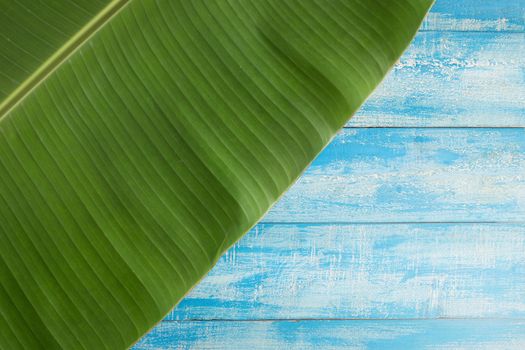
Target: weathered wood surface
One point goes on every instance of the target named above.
(395, 232)
(452, 79)
(366, 271)
(412, 175)
(338, 334)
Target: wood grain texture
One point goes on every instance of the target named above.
(412, 175)
(366, 271)
(452, 79)
(329, 335)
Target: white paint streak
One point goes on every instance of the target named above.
(445, 21)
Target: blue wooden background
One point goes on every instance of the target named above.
(408, 231)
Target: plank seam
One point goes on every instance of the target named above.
(347, 319)
(435, 127)
(322, 223)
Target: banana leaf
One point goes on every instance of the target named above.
(140, 139)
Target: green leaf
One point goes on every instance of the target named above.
(140, 139)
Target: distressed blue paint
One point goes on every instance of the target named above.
(446, 157)
(466, 68)
(380, 271)
(339, 334)
(412, 175)
(452, 79)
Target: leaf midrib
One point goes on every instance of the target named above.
(61, 55)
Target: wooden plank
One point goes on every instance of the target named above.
(477, 15)
(412, 175)
(451, 79)
(333, 335)
(366, 271)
